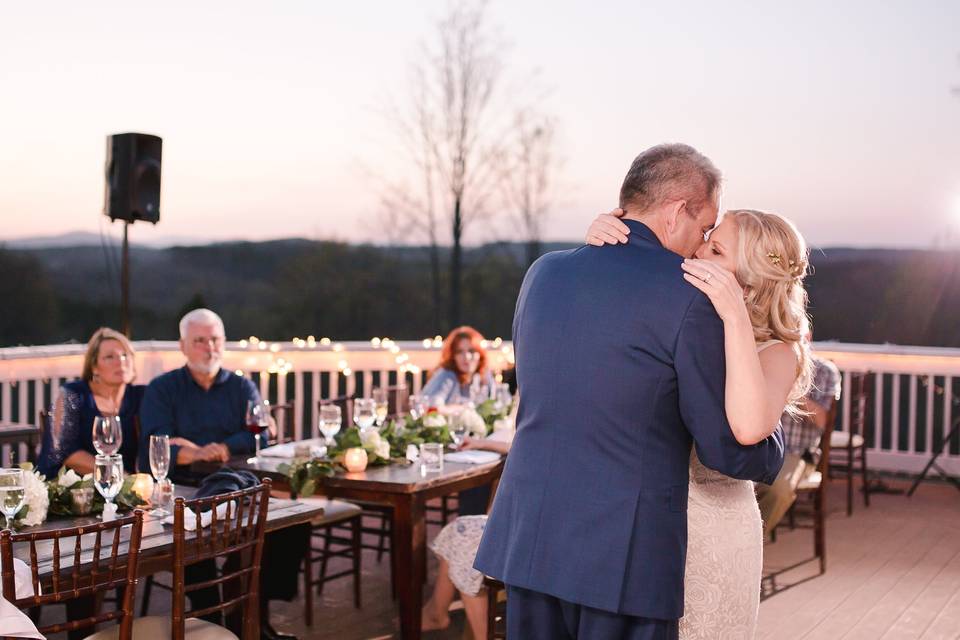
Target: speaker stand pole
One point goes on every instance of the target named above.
(125, 283)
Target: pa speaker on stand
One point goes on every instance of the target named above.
(132, 193)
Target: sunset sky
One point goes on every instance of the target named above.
(842, 116)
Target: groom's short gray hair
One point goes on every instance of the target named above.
(669, 172)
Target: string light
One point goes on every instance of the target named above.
(324, 342)
(375, 343)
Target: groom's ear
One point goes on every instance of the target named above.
(675, 209)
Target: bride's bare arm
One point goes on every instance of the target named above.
(757, 385)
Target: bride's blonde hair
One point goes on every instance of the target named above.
(771, 265)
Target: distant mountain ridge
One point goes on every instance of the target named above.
(278, 289)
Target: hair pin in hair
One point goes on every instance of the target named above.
(774, 257)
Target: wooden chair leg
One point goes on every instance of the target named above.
(491, 612)
(356, 561)
(308, 584)
(819, 533)
(145, 601)
(849, 471)
(863, 470)
(385, 528)
(323, 560)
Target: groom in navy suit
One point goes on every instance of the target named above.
(620, 369)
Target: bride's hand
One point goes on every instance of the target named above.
(607, 228)
(721, 287)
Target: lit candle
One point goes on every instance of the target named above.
(143, 486)
(355, 459)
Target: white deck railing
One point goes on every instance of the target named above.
(913, 393)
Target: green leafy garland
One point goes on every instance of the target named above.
(398, 435)
(61, 500)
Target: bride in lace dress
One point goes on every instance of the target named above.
(751, 267)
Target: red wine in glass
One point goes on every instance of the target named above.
(256, 428)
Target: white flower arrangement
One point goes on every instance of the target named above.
(383, 449)
(69, 478)
(36, 500)
(474, 423)
(504, 424)
(434, 419)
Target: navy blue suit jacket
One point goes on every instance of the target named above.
(620, 367)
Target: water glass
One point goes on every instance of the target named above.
(108, 475)
(364, 413)
(159, 465)
(330, 420)
(107, 434)
(381, 404)
(431, 457)
(11, 493)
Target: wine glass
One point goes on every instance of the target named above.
(108, 476)
(364, 413)
(257, 421)
(418, 406)
(458, 429)
(503, 396)
(380, 400)
(107, 434)
(479, 392)
(159, 466)
(330, 419)
(11, 493)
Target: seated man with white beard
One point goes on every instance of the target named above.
(202, 407)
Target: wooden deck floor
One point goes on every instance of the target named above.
(893, 573)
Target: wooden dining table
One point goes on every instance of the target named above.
(406, 489)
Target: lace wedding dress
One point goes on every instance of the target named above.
(721, 594)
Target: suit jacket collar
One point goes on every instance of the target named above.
(642, 233)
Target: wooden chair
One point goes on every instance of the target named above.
(237, 536)
(285, 419)
(338, 515)
(16, 435)
(814, 487)
(398, 400)
(850, 448)
(87, 574)
(494, 587)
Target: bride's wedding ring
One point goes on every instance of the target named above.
(707, 277)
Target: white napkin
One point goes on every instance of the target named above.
(288, 449)
(190, 518)
(14, 622)
(472, 456)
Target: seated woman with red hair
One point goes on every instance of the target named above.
(463, 363)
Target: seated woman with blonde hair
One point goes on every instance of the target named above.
(104, 389)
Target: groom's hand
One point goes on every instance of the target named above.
(608, 229)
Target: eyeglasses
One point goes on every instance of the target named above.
(215, 341)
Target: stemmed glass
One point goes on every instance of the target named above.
(108, 476)
(330, 419)
(159, 466)
(364, 413)
(458, 429)
(418, 406)
(11, 493)
(503, 397)
(107, 434)
(258, 421)
(479, 392)
(380, 400)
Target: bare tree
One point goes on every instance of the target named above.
(529, 174)
(452, 129)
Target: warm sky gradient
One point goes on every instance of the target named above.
(838, 115)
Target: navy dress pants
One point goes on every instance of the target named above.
(537, 616)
